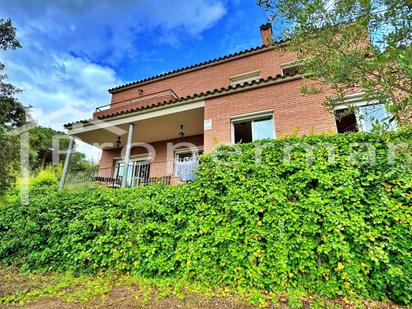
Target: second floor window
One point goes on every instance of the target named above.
(244, 78)
(289, 68)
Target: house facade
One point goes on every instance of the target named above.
(155, 128)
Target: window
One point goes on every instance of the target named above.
(186, 162)
(346, 121)
(372, 115)
(138, 171)
(289, 68)
(362, 117)
(249, 130)
(188, 154)
(244, 78)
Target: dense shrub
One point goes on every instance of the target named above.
(335, 228)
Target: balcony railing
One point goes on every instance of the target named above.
(140, 173)
(164, 95)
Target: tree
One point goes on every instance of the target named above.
(351, 44)
(12, 112)
(8, 158)
(41, 150)
(41, 146)
(78, 163)
(13, 115)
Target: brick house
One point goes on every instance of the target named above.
(157, 126)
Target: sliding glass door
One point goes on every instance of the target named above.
(137, 172)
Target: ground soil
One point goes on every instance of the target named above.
(129, 296)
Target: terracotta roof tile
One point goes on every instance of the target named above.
(182, 99)
(246, 51)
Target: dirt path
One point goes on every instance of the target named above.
(50, 291)
(124, 297)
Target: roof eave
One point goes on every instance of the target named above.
(204, 95)
(199, 66)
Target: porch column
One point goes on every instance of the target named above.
(66, 163)
(127, 155)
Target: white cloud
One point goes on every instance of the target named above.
(193, 19)
(66, 90)
(65, 81)
(57, 118)
(108, 29)
(70, 48)
(60, 88)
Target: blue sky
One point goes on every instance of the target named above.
(74, 50)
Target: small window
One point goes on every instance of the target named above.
(244, 78)
(289, 68)
(246, 131)
(363, 118)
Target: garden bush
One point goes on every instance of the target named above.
(267, 215)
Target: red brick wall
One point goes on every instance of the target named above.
(292, 112)
(215, 76)
(159, 167)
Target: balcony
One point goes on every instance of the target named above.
(139, 101)
(140, 173)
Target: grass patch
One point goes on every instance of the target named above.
(49, 290)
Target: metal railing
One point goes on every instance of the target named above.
(92, 178)
(137, 99)
(140, 173)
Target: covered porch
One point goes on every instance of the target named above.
(157, 146)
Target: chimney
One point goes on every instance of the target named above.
(266, 33)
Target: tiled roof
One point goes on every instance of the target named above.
(204, 95)
(134, 104)
(246, 51)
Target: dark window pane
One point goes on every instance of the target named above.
(290, 70)
(346, 121)
(243, 132)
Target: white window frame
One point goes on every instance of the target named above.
(187, 150)
(245, 77)
(252, 117)
(182, 151)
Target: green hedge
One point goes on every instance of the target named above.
(334, 228)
